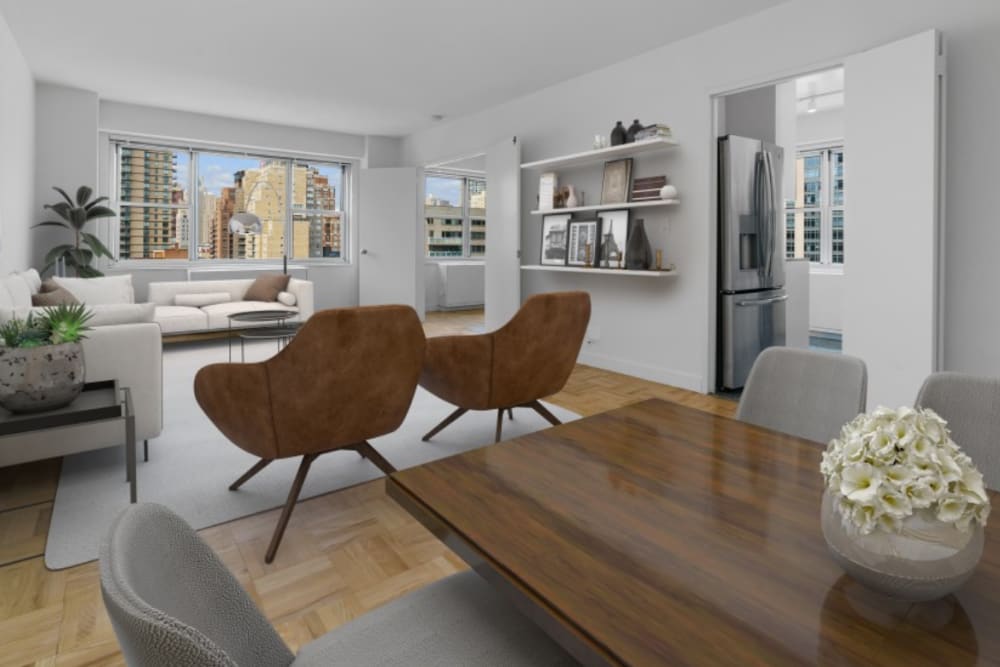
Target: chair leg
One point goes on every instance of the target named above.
(256, 468)
(499, 424)
(510, 413)
(543, 411)
(286, 513)
(145, 451)
(447, 420)
(366, 450)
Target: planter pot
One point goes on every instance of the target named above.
(926, 560)
(40, 378)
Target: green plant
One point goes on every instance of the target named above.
(54, 326)
(75, 216)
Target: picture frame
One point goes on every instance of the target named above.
(581, 232)
(555, 236)
(613, 243)
(617, 181)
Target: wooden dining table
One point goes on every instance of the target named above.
(656, 534)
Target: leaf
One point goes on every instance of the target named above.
(63, 193)
(100, 212)
(62, 209)
(81, 256)
(88, 272)
(78, 217)
(52, 255)
(53, 223)
(83, 195)
(95, 202)
(96, 245)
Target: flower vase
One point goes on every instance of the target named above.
(571, 199)
(46, 377)
(638, 253)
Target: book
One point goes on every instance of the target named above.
(649, 182)
(548, 183)
(654, 131)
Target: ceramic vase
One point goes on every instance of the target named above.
(571, 199)
(618, 134)
(638, 253)
(33, 379)
(633, 129)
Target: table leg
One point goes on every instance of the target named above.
(130, 446)
(243, 351)
(229, 341)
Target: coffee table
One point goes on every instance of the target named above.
(658, 534)
(278, 317)
(281, 334)
(44, 433)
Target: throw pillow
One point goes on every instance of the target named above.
(267, 287)
(33, 279)
(287, 298)
(202, 299)
(103, 290)
(53, 297)
(18, 291)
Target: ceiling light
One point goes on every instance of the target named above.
(812, 105)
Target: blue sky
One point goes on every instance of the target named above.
(449, 189)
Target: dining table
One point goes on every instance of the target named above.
(658, 534)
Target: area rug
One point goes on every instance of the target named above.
(192, 465)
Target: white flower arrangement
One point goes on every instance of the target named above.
(888, 465)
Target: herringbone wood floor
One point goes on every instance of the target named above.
(343, 554)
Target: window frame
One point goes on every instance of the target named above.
(825, 207)
(193, 149)
(465, 177)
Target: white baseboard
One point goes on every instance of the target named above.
(674, 378)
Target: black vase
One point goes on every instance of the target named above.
(638, 253)
(618, 135)
(633, 130)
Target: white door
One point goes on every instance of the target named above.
(891, 227)
(503, 232)
(390, 251)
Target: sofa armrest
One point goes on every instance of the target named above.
(303, 291)
(459, 369)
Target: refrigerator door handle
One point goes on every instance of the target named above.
(763, 302)
(768, 214)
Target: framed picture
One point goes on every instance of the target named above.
(555, 229)
(614, 236)
(617, 181)
(582, 243)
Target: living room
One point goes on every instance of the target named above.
(353, 303)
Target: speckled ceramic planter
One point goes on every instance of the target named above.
(40, 378)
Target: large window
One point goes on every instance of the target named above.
(183, 203)
(455, 214)
(814, 218)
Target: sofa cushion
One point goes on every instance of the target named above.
(218, 314)
(287, 298)
(18, 293)
(94, 291)
(202, 299)
(267, 286)
(33, 279)
(54, 297)
(180, 319)
(106, 314)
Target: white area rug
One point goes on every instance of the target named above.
(192, 465)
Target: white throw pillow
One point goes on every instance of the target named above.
(107, 314)
(18, 291)
(287, 298)
(100, 291)
(33, 279)
(202, 299)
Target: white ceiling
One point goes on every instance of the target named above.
(365, 66)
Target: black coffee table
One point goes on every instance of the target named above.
(281, 334)
(278, 317)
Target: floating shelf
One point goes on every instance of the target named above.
(602, 154)
(609, 207)
(599, 272)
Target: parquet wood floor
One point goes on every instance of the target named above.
(343, 553)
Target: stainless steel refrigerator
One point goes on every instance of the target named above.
(751, 278)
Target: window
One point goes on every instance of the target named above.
(455, 214)
(180, 203)
(814, 219)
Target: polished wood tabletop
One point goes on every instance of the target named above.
(657, 534)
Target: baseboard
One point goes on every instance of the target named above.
(672, 377)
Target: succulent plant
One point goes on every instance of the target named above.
(54, 326)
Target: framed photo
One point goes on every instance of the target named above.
(582, 243)
(617, 181)
(614, 237)
(555, 230)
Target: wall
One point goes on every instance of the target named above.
(673, 84)
(17, 155)
(751, 113)
(821, 126)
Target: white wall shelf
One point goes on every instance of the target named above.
(602, 154)
(600, 272)
(609, 207)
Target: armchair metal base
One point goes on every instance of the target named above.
(534, 405)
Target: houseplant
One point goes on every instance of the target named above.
(904, 507)
(75, 215)
(41, 359)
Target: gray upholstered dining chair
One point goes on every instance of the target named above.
(971, 406)
(174, 604)
(804, 393)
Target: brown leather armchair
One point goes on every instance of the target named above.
(527, 359)
(348, 376)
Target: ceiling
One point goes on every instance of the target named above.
(366, 66)
(822, 91)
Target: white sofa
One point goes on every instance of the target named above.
(115, 349)
(175, 319)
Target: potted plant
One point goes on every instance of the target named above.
(41, 359)
(75, 215)
(904, 507)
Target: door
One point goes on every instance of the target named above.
(503, 232)
(390, 257)
(751, 322)
(891, 217)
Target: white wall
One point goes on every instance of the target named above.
(658, 328)
(17, 155)
(821, 126)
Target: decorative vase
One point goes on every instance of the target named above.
(33, 379)
(926, 560)
(633, 129)
(571, 198)
(638, 253)
(618, 134)
(668, 192)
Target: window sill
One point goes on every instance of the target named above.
(825, 270)
(221, 264)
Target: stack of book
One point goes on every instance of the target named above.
(654, 131)
(646, 189)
